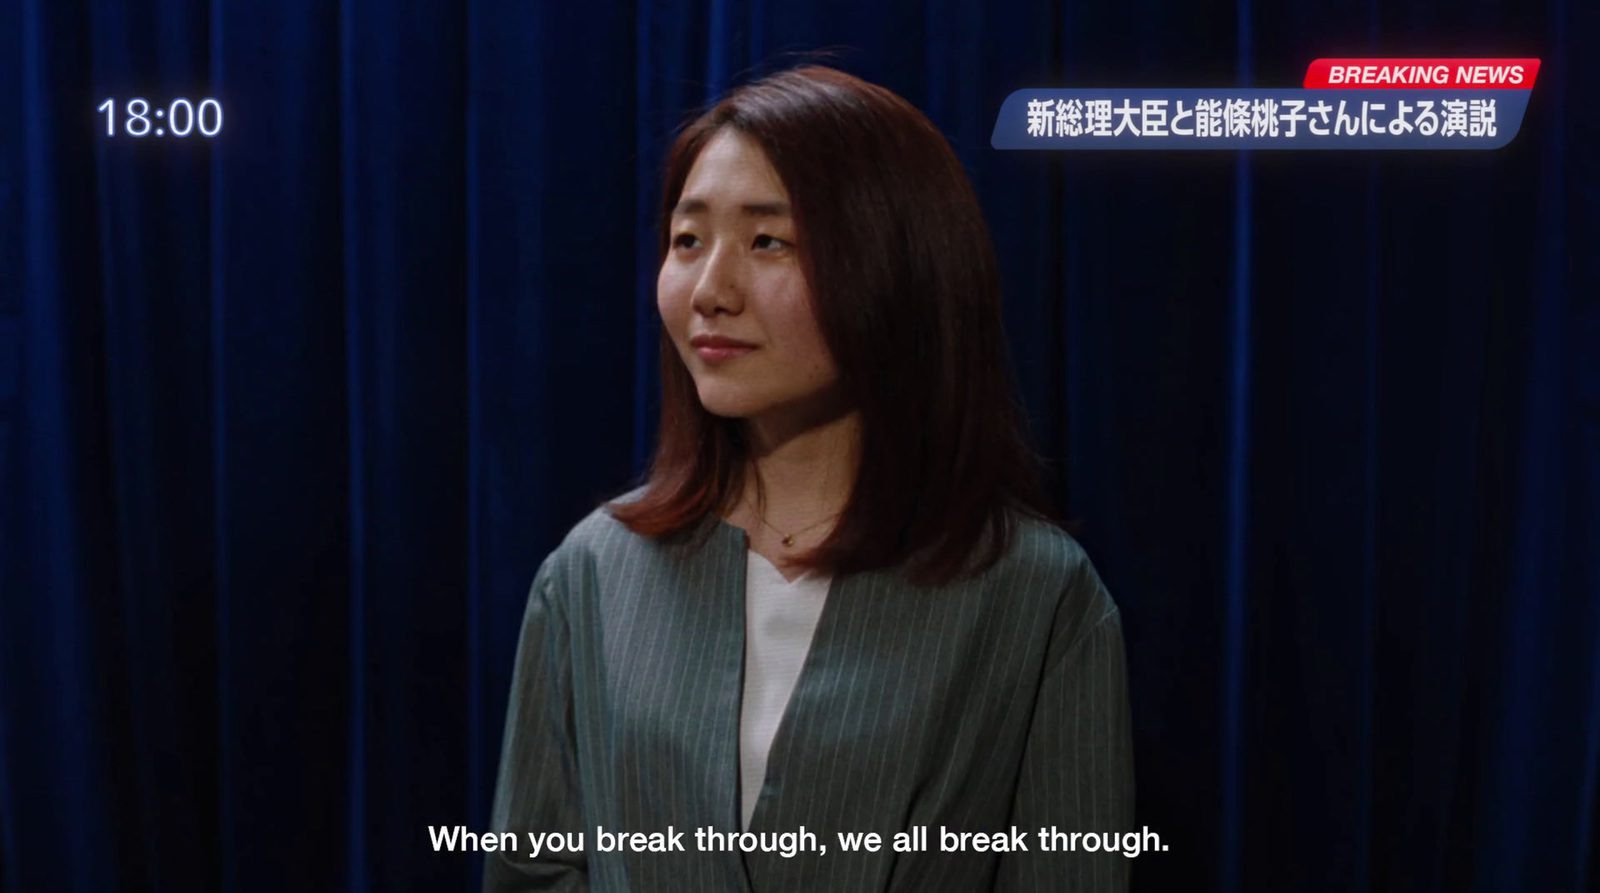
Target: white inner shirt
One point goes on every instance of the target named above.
(780, 617)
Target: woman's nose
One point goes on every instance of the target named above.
(719, 287)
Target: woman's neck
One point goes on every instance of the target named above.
(806, 474)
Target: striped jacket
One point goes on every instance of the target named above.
(995, 706)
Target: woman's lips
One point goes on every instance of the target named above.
(717, 353)
(719, 348)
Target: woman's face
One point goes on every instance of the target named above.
(732, 272)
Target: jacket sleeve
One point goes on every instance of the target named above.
(1077, 765)
(537, 789)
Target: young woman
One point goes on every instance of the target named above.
(838, 602)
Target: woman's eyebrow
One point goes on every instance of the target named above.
(749, 209)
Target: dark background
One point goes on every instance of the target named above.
(289, 418)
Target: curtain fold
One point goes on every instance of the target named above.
(290, 416)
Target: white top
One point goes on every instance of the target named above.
(779, 619)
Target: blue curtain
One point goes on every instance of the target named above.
(289, 417)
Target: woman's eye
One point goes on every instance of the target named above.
(763, 241)
(684, 240)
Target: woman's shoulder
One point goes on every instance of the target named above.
(597, 540)
(600, 533)
(1046, 560)
(1041, 551)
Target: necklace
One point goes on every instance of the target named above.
(788, 538)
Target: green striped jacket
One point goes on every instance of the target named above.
(995, 706)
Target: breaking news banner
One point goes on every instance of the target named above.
(1343, 104)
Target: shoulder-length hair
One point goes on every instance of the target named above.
(902, 273)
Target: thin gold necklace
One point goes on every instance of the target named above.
(788, 538)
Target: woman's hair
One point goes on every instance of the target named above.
(906, 293)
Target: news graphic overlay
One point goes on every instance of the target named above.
(799, 842)
(178, 119)
(1342, 104)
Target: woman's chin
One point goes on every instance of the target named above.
(729, 406)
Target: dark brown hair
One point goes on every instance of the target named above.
(906, 292)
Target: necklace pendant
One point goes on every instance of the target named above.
(788, 541)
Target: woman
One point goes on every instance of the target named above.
(838, 602)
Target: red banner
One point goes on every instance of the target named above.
(1478, 74)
